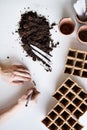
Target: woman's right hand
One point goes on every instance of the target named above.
(30, 91)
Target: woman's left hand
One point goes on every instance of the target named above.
(15, 74)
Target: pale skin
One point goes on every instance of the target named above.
(17, 74)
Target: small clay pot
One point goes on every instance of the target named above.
(82, 34)
(66, 26)
(79, 20)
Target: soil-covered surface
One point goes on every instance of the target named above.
(34, 30)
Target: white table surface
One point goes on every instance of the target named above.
(47, 82)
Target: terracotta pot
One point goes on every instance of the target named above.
(66, 26)
(79, 20)
(82, 34)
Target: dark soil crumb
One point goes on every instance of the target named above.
(53, 24)
(12, 33)
(8, 57)
(55, 45)
(16, 31)
(35, 29)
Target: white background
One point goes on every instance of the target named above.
(47, 82)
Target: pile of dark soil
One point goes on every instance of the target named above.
(35, 29)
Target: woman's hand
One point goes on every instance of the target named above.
(33, 98)
(15, 74)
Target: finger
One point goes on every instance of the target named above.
(17, 82)
(21, 73)
(20, 66)
(23, 70)
(35, 96)
(20, 78)
(29, 91)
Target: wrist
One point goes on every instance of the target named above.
(21, 102)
